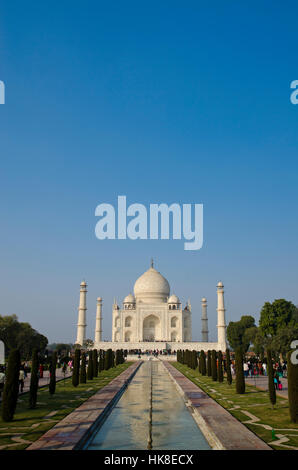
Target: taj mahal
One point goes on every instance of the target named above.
(152, 318)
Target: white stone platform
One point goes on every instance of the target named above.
(157, 345)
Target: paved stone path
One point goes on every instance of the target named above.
(46, 379)
(218, 425)
(261, 382)
(73, 431)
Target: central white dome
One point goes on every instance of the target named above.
(151, 287)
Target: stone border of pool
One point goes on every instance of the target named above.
(220, 428)
(73, 431)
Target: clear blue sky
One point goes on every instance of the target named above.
(169, 101)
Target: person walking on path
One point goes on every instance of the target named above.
(2, 380)
(21, 378)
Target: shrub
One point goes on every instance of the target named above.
(101, 360)
(203, 367)
(52, 384)
(83, 377)
(33, 380)
(228, 362)
(219, 369)
(240, 381)
(213, 365)
(76, 368)
(95, 363)
(209, 369)
(271, 388)
(194, 359)
(11, 388)
(292, 388)
(90, 366)
(108, 359)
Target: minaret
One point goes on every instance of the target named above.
(204, 320)
(81, 331)
(221, 321)
(98, 324)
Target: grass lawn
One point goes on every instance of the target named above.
(254, 401)
(29, 425)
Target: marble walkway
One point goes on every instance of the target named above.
(74, 430)
(218, 425)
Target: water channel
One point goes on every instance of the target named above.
(151, 393)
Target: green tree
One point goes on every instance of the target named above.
(108, 359)
(203, 366)
(200, 363)
(95, 363)
(76, 368)
(220, 371)
(22, 336)
(52, 384)
(213, 365)
(194, 362)
(90, 367)
(239, 333)
(276, 316)
(240, 381)
(281, 342)
(101, 360)
(34, 380)
(83, 377)
(209, 368)
(271, 388)
(292, 387)
(11, 387)
(229, 372)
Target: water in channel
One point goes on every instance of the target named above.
(128, 426)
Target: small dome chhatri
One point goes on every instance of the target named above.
(173, 299)
(151, 286)
(129, 299)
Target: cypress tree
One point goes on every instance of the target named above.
(101, 363)
(122, 356)
(83, 377)
(95, 363)
(33, 380)
(220, 371)
(76, 368)
(213, 365)
(108, 359)
(209, 369)
(11, 387)
(52, 384)
(292, 388)
(200, 362)
(240, 381)
(229, 372)
(203, 367)
(194, 359)
(90, 366)
(271, 388)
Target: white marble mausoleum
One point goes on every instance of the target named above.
(152, 318)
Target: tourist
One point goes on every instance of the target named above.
(264, 368)
(245, 368)
(41, 371)
(284, 369)
(2, 380)
(21, 378)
